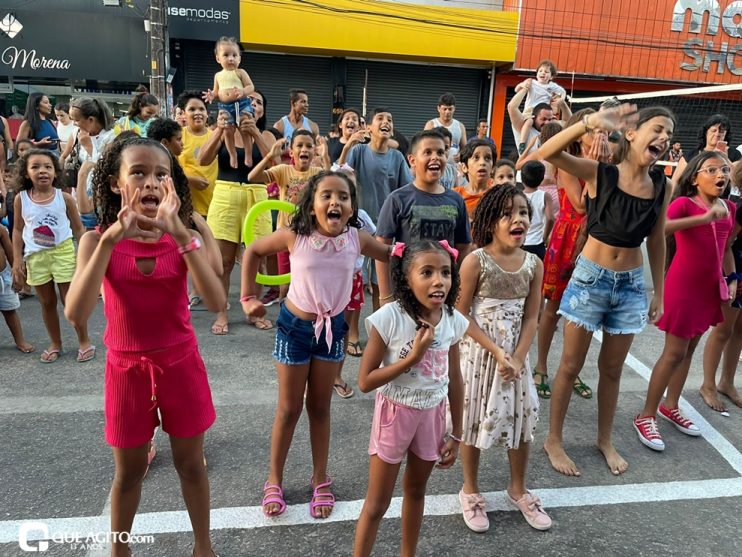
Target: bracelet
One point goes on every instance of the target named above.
(248, 298)
(731, 277)
(193, 245)
(584, 123)
(386, 297)
(452, 436)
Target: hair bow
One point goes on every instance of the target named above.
(453, 251)
(399, 247)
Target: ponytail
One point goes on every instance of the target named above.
(141, 99)
(96, 108)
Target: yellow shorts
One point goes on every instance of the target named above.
(57, 264)
(229, 207)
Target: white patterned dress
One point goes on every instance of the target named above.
(497, 412)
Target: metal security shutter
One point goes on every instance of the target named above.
(411, 91)
(273, 75)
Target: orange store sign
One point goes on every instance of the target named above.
(673, 40)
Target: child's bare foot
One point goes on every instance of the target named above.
(731, 393)
(711, 398)
(248, 159)
(233, 160)
(559, 459)
(615, 461)
(25, 347)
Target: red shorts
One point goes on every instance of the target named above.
(397, 429)
(284, 263)
(139, 383)
(356, 295)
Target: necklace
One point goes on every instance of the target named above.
(42, 200)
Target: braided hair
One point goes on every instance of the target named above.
(491, 208)
(401, 289)
(108, 203)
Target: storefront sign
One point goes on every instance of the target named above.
(72, 45)
(698, 41)
(690, 14)
(205, 20)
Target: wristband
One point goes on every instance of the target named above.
(452, 436)
(193, 245)
(248, 298)
(731, 277)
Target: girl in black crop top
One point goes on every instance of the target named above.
(626, 203)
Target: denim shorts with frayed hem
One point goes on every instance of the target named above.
(297, 345)
(599, 298)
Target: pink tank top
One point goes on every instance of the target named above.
(146, 313)
(322, 276)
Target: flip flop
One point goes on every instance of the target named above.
(260, 323)
(86, 355)
(357, 349)
(582, 389)
(542, 387)
(193, 301)
(50, 356)
(220, 329)
(343, 389)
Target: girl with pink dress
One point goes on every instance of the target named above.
(699, 281)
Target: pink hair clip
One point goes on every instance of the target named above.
(398, 249)
(449, 249)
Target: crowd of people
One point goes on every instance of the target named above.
(470, 260)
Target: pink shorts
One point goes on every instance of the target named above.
(139, 383)
(284, 263)
(356, 295)
(397, 429)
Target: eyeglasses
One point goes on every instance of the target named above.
(725, 170)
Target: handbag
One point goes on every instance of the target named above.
(723, 286)
(72, 166)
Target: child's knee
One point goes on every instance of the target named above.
(129, 478)
(318, 410)
(190, 468)
(288, 414)
(375, 509)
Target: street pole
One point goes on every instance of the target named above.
(157, 14)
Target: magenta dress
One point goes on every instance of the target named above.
(692, 300)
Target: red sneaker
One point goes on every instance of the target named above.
(680, 422)
(649, 435)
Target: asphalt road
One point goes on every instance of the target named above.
(56, 468)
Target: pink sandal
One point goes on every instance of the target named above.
(321, 499)
(274, 496)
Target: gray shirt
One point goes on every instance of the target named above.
(377, 175)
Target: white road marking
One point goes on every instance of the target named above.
(247, 518)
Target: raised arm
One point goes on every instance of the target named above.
(210, 148)
(516, 116)
(258, 174)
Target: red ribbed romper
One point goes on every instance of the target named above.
(153, 360)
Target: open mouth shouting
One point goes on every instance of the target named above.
(518, 233)
(385, 129)
(656, 150)
(334, 216)
(149, 202)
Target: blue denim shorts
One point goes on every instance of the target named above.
(245, 106)
(296, 344)
(596, 298)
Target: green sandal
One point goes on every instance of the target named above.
(581, 389)
(542, 387)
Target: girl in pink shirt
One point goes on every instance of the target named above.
(141, 255)
(323, 242)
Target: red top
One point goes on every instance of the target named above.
(146, 313)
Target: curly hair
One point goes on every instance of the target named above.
(401, 288)
(108, 203)
(302, 221)
(491, 208)
(22, 179)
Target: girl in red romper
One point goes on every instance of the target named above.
(141, 254)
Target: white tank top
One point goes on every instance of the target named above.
(535, 234)
(455, 129)
(45, 225)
